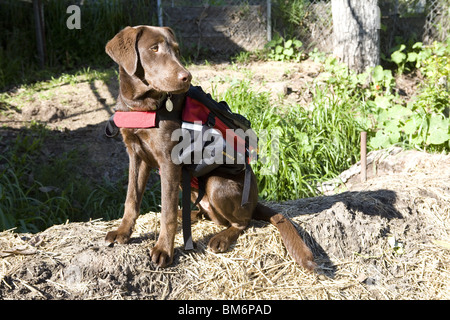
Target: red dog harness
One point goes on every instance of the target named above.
(199, 110)
(141, 120)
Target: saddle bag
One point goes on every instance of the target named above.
(212, 138)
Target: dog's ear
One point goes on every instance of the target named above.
(122, 49)
(171, 32)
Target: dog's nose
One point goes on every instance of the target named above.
(185, 76)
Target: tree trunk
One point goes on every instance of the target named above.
(356, 39)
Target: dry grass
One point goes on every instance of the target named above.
(349, 233)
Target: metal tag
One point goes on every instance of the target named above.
(169, 104)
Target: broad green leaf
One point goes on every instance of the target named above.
(438, 130)
(398, 57)
(383, 102)
(297, 43)
(392, 126)
(378, 74)
(383, 117)
(423, 55)
(438, 136)
(412, 56)
(399, 111)
(362, 77)
(288, 44)
(438, 121)
(417, 45)
(379, 141)
(394, 137)
(410, 126)
(288, 52)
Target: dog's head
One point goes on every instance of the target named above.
(152, 55)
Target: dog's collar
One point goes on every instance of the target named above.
(159, 104)
(133, 119)
(136, 119)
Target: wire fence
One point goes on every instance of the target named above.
(210, 29)
(437, 24)
(401, 20)
(224, 27)
(218, 27)
(316, 28)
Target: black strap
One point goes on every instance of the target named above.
(111, 130)
(186, 211)
(247, 184)
(248, 175)
(201, 190)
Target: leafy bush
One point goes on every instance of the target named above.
(424, 121)
(284, 50)
(313, 145)
(406, 61)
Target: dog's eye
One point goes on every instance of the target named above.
(155, 48)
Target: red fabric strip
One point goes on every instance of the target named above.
(135, 119)
(194, 111)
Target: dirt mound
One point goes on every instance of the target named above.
(387, 238)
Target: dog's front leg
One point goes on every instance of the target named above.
(137, 179)
(162, 253)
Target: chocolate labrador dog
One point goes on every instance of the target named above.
(150, 71)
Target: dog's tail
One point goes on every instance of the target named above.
(291, 239)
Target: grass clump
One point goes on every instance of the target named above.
(298, 148)
(38, 191)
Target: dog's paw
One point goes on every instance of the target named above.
(161, 257)
(219, 243)
(117, 236)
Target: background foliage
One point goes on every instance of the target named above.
(66, 49)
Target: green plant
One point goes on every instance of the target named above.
(382, 78)
(423, 122)
(284, 50)
(411, 126)
(317, 56)
(318, 141)
(401, 59)
(289, 14)
(301, 147)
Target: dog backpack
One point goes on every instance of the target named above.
(212, 138)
